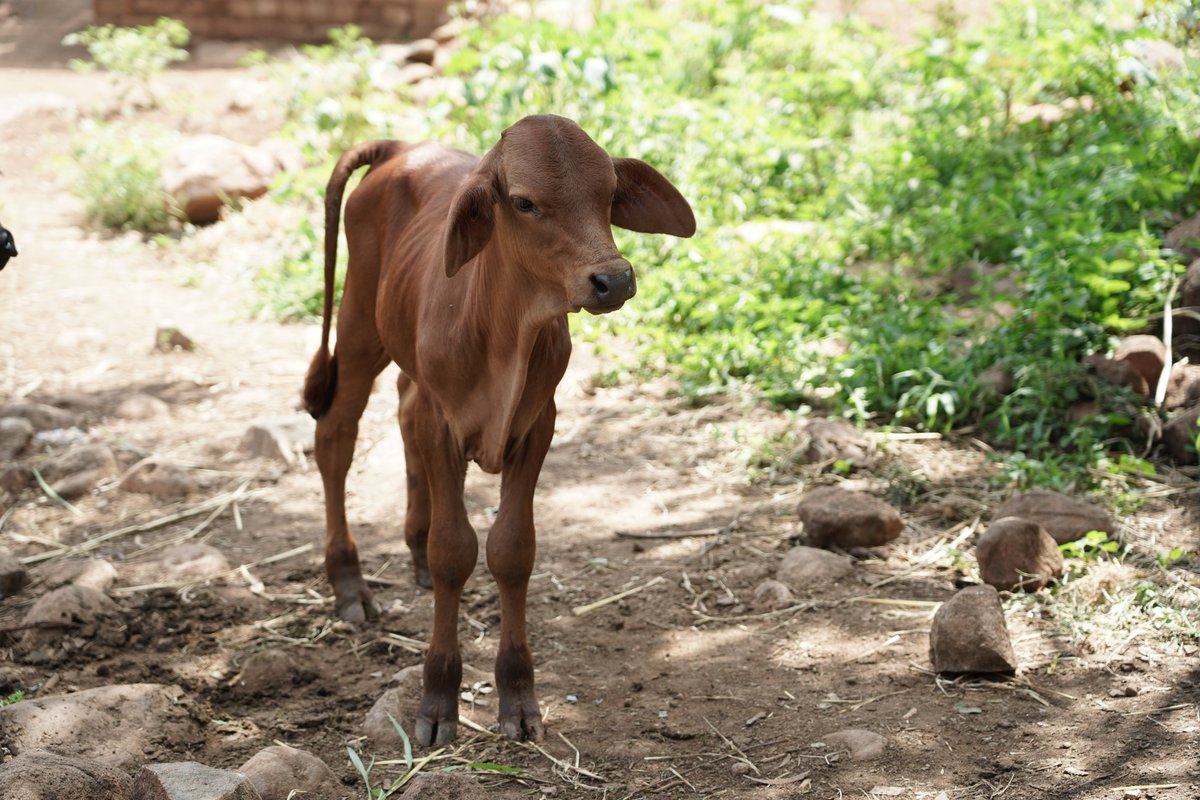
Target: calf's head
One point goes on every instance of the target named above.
(546, 197)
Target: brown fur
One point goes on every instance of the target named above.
(462, 271)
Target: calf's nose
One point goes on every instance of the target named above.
(614, 286)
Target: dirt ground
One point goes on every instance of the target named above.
(668, 692)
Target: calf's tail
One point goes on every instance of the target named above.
(321, 383)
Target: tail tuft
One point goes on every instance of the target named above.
(320, 385)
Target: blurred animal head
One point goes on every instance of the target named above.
(8, 247)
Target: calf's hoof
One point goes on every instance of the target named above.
(522, 728)
(356, 609)
(431, 733)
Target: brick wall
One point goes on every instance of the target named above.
(291, 20)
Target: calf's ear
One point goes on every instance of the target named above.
(472, 215)
(647, 202)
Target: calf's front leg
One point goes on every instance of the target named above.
(511, 547)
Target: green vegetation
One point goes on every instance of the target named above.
(119, 168)
(133, 55)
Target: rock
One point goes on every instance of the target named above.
(202, 172)
(42, 775)
(1179, 436)
(267, 671)
(187, 780)
(444, 786)
(861, 745)
(288, 155)
(834, 516)
(194, 560)
(80, 611)
(15, 479)
(802, 567)
(415, 72)
(118, 726)
(1183, 390)
(85, 459)
(159, 478)
(772, 594)
(280, 772)
(15, 433)
(1064, 518)
(824, 442)
(94, 573)
(421, 51)
(1146, 354)
(280, 439)
(449, 30)
(1015, 554)
(142, 407)
(1118, 373)
(1184, 238)
(42, 417)
(969, 634)
(13, 576)
(169, 339)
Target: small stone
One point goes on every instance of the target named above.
(740, 768)
(74, 486)
(825, 442)
(415, 72)
(42, 775)
(1183, 390)
(15, 433)
(1015, 554)
(13, 575)
(969, 634)
(773, 594)
(279, 439)
(1146, 354)
(803, 566)
(94, 573)
(42, 417)
(834, 516)
(280, 772)
(861, 745)
(1179, 436)
(159, 478)
(267, 671)
(194, 560)
(142, 407)
(79, 610)
(1064, 518)
(421, 51)
(187, 780)
(15, 479)
(88, 459)
(169, 339)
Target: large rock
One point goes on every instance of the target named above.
(802, 567)
(1064, 518)
(76, 471)
(41, 775)
(1018, 555)
(1179, 436)
(834, 516)
(1147, 355)
(118, 726)
(15, 433)
(280, 772)
(159, 478)
(202, 172)
(969, 634)
(282, 439)
(187, 780)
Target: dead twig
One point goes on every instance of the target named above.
(579, 611)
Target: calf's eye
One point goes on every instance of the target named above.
(524, 205)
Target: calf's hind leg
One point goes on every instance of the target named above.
(416, 514)
(357, 365)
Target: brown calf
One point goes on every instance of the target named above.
(463, 271)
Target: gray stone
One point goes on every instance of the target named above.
(194, 560)
(117, 726)
(159, 478)
(802, 567)
(267, 671)
(202, 172)
(772, 594)
(858, 744)
(279, 770)
(142, 407)
(1183, 390)
(95, 573)
(41, 416)
(824, 442)
(13, 575)
(834, 516)
(15, 433)
(87, 459)
(1063, 517)
(1015, 554)
(279, 439)
(187, 780)
(41, 775)
(969, 634)
(79, 611)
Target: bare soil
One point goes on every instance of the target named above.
(683, 688)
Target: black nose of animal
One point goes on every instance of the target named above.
(613, 286)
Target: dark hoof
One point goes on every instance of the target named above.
(421, 573)
(522, 729)
(357, 611)
(435, 734)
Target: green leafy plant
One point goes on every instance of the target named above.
(15, 697)
(1091, 546)
(118, 176)
(133, 55)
